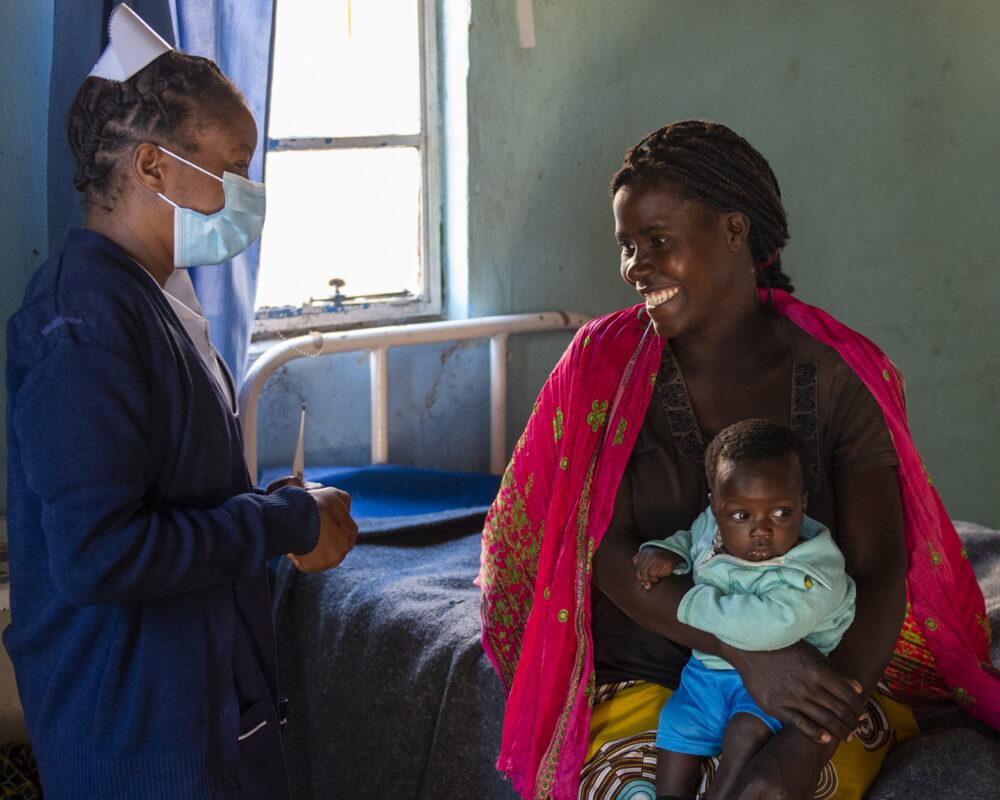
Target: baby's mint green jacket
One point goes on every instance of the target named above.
(763, 605)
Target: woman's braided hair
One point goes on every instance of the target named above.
(159, 103)
(713, 164)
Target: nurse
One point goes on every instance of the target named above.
(142, 638)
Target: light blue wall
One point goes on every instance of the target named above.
(437, 413)
(25, 51)
(880, 120)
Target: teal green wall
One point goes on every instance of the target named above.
(881, 120)
(25, 51)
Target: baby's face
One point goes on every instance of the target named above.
(759, 507)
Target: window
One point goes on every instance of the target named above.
(351, 165)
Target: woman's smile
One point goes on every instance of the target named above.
(660, 296)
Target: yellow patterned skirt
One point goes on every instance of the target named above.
(621, 760)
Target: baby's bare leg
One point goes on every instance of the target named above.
(745, 735)
(677, 774)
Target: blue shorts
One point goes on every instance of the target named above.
(695, 717)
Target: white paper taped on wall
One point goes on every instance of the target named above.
(132, 44)
(526, 22)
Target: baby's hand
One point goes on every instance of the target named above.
(653, 563)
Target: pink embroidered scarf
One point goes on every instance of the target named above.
(555, 503)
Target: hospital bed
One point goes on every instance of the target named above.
(390, 693)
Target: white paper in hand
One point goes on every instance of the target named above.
(299, 459)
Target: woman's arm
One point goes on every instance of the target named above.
(870, 535)
(795, 684)
(655, 609)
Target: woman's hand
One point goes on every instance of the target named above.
(801, 688)
(653, 563)
(786, 768)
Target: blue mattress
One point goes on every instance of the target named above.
(389, 490)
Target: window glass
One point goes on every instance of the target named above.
(347, 214)
(345, 68)
(351, 167)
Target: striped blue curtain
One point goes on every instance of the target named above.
(237, 36)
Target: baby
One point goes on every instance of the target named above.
(765, 576)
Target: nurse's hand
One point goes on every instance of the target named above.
(337, 532)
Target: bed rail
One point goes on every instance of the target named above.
(377, 342)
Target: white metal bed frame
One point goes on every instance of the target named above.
(377, 342)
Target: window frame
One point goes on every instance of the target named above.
(428, 142)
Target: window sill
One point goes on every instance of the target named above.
(347, 316)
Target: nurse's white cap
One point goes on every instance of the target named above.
(132, 44)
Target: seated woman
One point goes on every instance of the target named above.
(612, 457)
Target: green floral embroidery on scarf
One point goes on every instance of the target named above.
(586, 340)
(652, 379)
(519, 512)
(564, 463)
(509, 519)
(984, 622)
(620, 432)
(598, 415)
(962, 697)
(557, 424)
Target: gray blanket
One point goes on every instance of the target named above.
(955, 756)
(391, 695)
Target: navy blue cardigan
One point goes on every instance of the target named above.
(141, 637)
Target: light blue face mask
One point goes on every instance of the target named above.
(203, 239)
